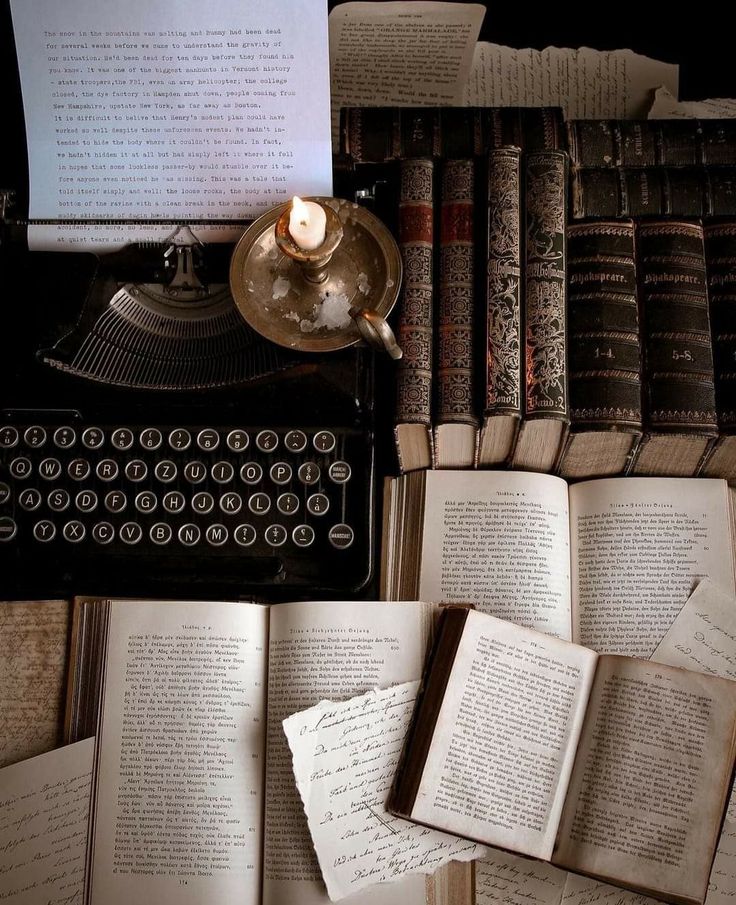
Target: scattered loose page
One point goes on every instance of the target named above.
(503, 879)
(216, 112)
(722, 885)
(32, 676)
(584, 891)
(666, 106)
(44, 818)
(586, 83)
(345, 756)
(399, 53)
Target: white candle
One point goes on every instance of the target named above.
(307, 223)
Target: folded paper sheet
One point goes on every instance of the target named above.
(345, 756)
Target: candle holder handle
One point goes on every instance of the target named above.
(375, 331)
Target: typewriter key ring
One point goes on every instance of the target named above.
(323, 298)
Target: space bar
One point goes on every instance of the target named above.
(249, 568)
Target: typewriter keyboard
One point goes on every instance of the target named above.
(277, 494)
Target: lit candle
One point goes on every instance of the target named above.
(307, 223)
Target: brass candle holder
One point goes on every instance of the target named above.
(325, 299)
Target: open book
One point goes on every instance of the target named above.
(607, 765)
(606, 563)
(193, 794)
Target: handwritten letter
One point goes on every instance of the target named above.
(345, 756)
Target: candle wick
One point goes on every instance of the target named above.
(303, 222)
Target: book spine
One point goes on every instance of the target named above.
(503, 284)
(720, 256)
(678, 382)
(545, 352)
(416, 242)
(455, 384)
(380, 134)
(604, 342)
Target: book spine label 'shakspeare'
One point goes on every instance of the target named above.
(678, 374)
(455, 392)
(416, 234)
(604, 341)
(545, 385)
(503, 284)
(720, 257)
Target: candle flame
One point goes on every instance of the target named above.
(301, 210)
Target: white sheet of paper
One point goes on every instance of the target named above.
(44, 818)
(666, 106)
(504, 879)
(584, 891)
(211, 111)
(586, 83)
(400, 53)
(102, 238)
(345, 756)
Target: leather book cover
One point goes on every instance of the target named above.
(720, 256)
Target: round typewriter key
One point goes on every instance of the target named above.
(208, 439)
(309, 473)
(189, 534)
(86, 501)
(122, 438)
(280, 472)
(115, 501)
(8, 528)
(20, 468)
(276, 535)
(136, 470)
(107, 469)
(4, 492)
(78, 469)
(49, 469)
(131, 533)
(74, 531)
(29, 499)
(222, 472)
(216, 535)
(58, 500)
(150, 438)
(34, 436)
(103, 533)
(295, 441)
(165, 471)
(324, 441)
(146, 501)
(288, 503)
(173, 502)
(231, 503)
(259, 503)
(8, 437)
(318, 504)
(64, 437)
(303, 535)
(251, 473)
(244, 535)
(339, 472)
(195, 472)
(44, 531)
(93, 438)
(237, 441)
(340, 536)
(160, 533)
(203, 502)
(267, 441)
(180, 438)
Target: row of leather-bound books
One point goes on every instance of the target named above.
(540, 340)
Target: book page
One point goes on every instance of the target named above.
(400, 53)
(639, 545)
(216, 112)
(345, 755)
(586, 83)
(499, 540)
(503, 879)
(44, 818)
(316, 651)
(32, 676)
(648, 789)
(504, 743)
(179, 788)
